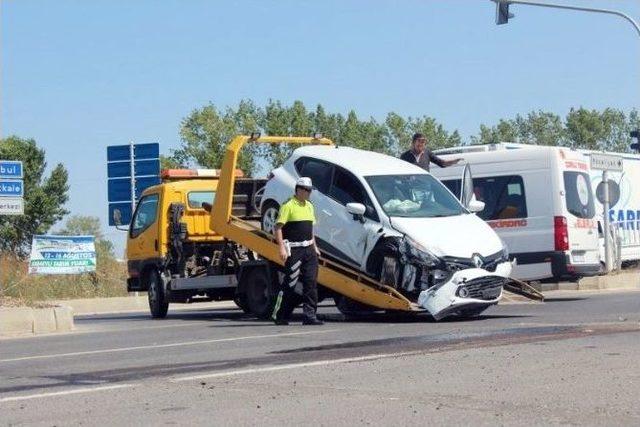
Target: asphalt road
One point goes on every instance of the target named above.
(572, 360)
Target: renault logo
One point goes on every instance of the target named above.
(477, 261)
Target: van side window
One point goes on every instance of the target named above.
(503, 196)
(347, 189)
(145, 215)
(319, 172)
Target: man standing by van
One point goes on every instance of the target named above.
(298, 251)
(420, 155)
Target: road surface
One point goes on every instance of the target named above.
(571, 360)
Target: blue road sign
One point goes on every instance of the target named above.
(146, 151)
(147, 167)
(146, 172)
(125, 213)
(119, 190)
(144, 183)
(118, 153)
(11, 169)
(118, 169)
(11, 188)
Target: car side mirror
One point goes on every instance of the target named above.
(357, 210)
(475, 205)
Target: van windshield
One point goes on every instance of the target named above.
(579, 197)
(414, 196)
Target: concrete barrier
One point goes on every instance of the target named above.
(131, 304)
(16, 321)
(626, 279)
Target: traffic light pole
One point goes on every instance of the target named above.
(566, 7)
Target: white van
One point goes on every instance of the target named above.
(540, 202)
(624, 216)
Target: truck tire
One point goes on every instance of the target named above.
(258, 294)
(158, 304)
(269, 215)
(351, 308)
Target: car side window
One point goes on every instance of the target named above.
(319, 172)
(345, 188)
(145, 215)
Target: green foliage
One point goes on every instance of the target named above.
(206, 131)
(588, 129)
(44, 196)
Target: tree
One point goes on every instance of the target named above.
(78, 225)
(44, 197)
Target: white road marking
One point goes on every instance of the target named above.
(296, 365)
(66, 392)
(178, 344)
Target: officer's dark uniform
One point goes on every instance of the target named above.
(423, 160)
(297, 219)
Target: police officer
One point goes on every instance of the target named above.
(298, 251)
(420, 155)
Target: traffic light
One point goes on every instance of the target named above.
(636, 145)
(502, 12)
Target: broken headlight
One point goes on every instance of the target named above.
(505, 251)
(415, 253)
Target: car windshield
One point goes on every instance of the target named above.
(414, 196)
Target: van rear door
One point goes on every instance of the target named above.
(579, 225)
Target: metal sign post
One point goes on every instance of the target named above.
(606, 163)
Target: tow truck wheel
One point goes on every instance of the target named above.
(158, 304)
(351, 308)
(269, 216)
(258, 298)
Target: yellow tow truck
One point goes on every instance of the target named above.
(197, 237)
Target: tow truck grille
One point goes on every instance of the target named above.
(484, 288)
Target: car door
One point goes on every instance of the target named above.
(350, 238)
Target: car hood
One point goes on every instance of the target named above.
(458, 236)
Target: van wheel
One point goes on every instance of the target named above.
(158, 304)
(269, 216)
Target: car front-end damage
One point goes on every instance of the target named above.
(445, 285)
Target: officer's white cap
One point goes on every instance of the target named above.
(304, 182)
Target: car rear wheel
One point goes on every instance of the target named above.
(269, 216)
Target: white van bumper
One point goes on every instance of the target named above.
(473, 287)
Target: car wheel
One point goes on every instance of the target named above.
(269, 216)
(389, 272)
(158, 304)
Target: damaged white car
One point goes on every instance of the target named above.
(398, 224)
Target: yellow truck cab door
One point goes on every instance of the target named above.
(143, 234)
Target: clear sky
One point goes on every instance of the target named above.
(80, 75)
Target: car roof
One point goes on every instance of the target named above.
(359, 162)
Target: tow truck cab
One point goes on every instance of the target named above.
(169, 239)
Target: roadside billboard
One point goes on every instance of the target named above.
(62, 255)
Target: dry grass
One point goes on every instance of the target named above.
(17, 286)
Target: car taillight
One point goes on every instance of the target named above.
(561, 233)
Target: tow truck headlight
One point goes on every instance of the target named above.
(424, 255)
